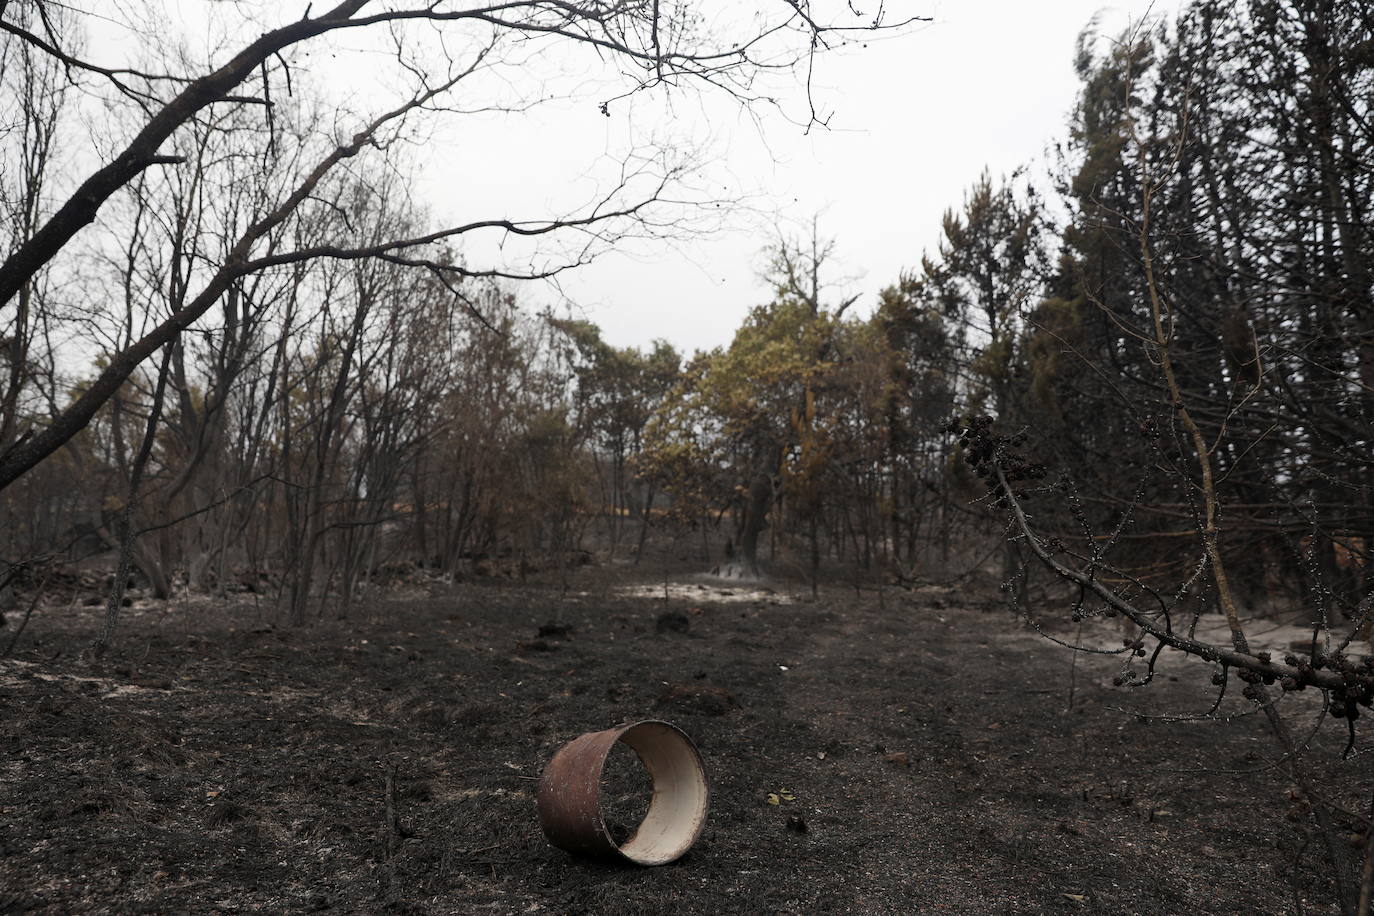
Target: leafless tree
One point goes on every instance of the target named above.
(658, 45)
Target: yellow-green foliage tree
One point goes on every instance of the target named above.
(794, 410)
(738, 419)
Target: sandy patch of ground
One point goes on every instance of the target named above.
(707, 590)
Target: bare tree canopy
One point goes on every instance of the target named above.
(652, 45)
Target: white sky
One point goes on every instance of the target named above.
(916, 119)
(988, 84)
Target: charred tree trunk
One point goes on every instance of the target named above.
(755, 521)
(126, 518)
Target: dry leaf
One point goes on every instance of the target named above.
(1079, 897)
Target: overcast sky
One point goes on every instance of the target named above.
(989, 83)
(914, 120)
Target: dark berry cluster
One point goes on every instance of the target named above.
(986, 451)
(1137, 646)
(1358, 676)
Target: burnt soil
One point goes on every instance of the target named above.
(921, 750)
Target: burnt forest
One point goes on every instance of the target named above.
(353, 552)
